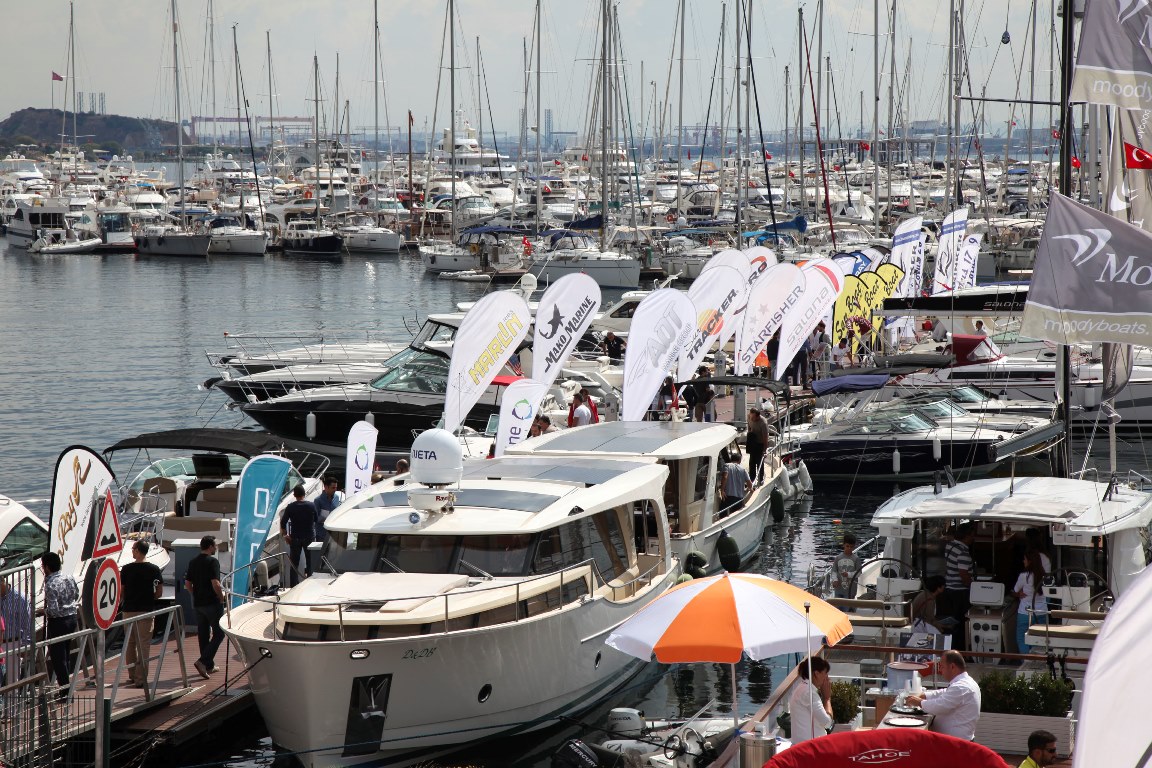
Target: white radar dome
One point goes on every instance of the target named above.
(437, 458)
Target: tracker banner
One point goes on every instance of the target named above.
(951, 235)
(1114, 59)
(361, 457)
(258, 495)
(824, 283)
(487, 337)
(662, 324)
(717, 294)
(738, 260)
(517, 410)
(564, 313)
(772, 297)
(79, 487)
(1091, 279)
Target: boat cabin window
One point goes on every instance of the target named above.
(420, 372)
(625, 310)
(25, 542)
(967, 395)
(599, 538)
(430, 331)
(700, 491)
(497, 555)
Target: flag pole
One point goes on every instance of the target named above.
(1068, 43)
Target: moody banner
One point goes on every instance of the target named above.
(1114, 62)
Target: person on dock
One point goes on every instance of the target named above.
(16, 618)
(841, 355)
(756, 443)
(614, 347)
(1041, 750)
(957, 707)
(329, 498)
(581, 413)
(665, 402)
(297, 525)
(958, 576)
(810, 704)
(736, 482)
(846, 568)
(61, 598)
(142, 585)
(924, 617)
(819, 347)
(705, 408)
(1032, 607)
(202, 579)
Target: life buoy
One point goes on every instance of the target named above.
(527, 246)
(363, 179)
(307, 194)
(670, 218)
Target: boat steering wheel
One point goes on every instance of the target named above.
(682, 744)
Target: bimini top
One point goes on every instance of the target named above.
(507, 495)
(241, 442)
(659, 439)
(1077, 504)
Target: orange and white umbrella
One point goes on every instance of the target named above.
(720, 618)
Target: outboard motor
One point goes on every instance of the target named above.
(624, 721)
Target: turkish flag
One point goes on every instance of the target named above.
(1134, 157)
(767, 155)
(865, 146)
(1075, 161)
(1056, 134)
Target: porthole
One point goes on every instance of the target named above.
(485, 693)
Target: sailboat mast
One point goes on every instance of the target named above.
(875, 148)
(376, 104)
(316, 132)
(738, 123)
(271, 105)
(452, 106)
(1065, 188)
(680, 122)
(236, 59)
(179, 125)
(539, 157)
(72, 56)
(605, 15)
(212, 74)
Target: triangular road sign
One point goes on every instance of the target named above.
(108, 539)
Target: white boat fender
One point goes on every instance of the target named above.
(936, 447)
(895, 461)
(310, 425)
(805, 477)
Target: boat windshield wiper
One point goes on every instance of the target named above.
(392, 565)
(487, 576)
(329, 567)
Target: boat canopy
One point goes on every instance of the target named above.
(856, 382)
(238, 441)
(663, 439)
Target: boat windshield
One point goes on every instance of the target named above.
(420, 371)
(23, 544)
(940, 409)
(430, 331)
(493, 554)
(890, 424)
(967, 395)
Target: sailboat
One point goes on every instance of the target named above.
(172, 238)
(307, 236)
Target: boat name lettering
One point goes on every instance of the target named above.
(711, 323)
(494, 350)
(68, 521)
(570, 327)
(420, 653)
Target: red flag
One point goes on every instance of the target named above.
(1013, 122)
(767, 155)
(1056, 134)
(1134, 157)
(689, 154)
(865, 146)
(1075, 161)
(57, 77)
(791, 174)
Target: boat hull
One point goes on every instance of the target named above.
(372, 242)
(322, 246)
(608, 273)
(873, 460)
(254, 244)
(443, 260)
(180, 244)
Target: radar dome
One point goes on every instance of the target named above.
(437, 458)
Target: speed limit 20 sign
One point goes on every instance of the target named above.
(102, 593)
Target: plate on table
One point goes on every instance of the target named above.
(906, 722)
(905, 710)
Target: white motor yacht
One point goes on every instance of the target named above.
(363, 234)
(467, 603)
(231, 234)
(570, 252)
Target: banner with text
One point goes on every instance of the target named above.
(258, 495)
(951, 235)
(717, 294)
(519, 406)
(738, 261)
(487, 337)
(661, 326)
(564, 313)
(824, 283)
(1091, 279)
(862, 297)
(1114, 60)
(361, 457)
(79, 489)
(967, 261)
(772, 297)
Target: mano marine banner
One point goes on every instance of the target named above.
(565, 311)
(487, 337)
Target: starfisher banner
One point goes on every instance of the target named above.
(487, 337)
(661, 326)
(520, 405)
(79, 487)
(951, 235)
(778, 290)
(361, 456)
(1091, 281)
(824, 282)
(564, 313)
(717, 294)
(1114, 60)
(258, 495)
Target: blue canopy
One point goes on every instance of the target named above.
(800, 224)
(592, 222)
(853, 383)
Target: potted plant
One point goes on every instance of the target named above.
(846, 712)
(1012, 706)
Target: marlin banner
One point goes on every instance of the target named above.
(79, 490)
(487, 337)
(1091, 279)
(361, 457)
(951, 236)
(661, 326)
(565, 311)
(258, 495)
(519, 406)
(1114, 62)
(717, 295)
(825, 281)
(772, 297)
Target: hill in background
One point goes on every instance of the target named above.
(115, 133)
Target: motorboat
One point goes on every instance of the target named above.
(573, 252)
(192, 477)
(169, 236)
(470, 602)
(68, 243)
(362, 233)
(476, 248)
(629, 738)
(304, 237)
(37, 218)
(236, 234)
(277, 382)
(694, 453)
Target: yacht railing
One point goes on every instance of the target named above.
(580, 572)
(272, 346)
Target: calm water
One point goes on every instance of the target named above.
(97, 348)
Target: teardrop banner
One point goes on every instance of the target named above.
(661, 326)
(717, 294)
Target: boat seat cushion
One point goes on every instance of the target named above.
(217, 501)
(878, 622)
(1077, 633)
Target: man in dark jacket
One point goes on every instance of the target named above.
(297, 526)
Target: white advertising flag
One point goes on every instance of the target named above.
(717, 295)
(760, 257)
(772, 296)
(908, 256)
(738, 261)
(951, 236)
(361, 457)
(661, 326)
(489, 334)
(79, 492)
(519, 406)
(565, 311)
(966, 261)
(824, 283)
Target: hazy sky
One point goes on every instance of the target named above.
(123, 49)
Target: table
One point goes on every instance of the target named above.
(927, 718)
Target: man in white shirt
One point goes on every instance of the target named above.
(957, 707)
(582, 414)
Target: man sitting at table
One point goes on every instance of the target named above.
(957, 707)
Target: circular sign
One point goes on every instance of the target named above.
(104, 594)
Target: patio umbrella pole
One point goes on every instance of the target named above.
(811, 682)
(735, 711)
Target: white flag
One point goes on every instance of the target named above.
(908, 255)
(361, 457)
(966, 261)
(823, 286)
(565, 311)
(772, 296)
(739, 262)
(79, 497)
(489, 334)
(517, 410)
(951, 235)
(717, 294)
(661, 326)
